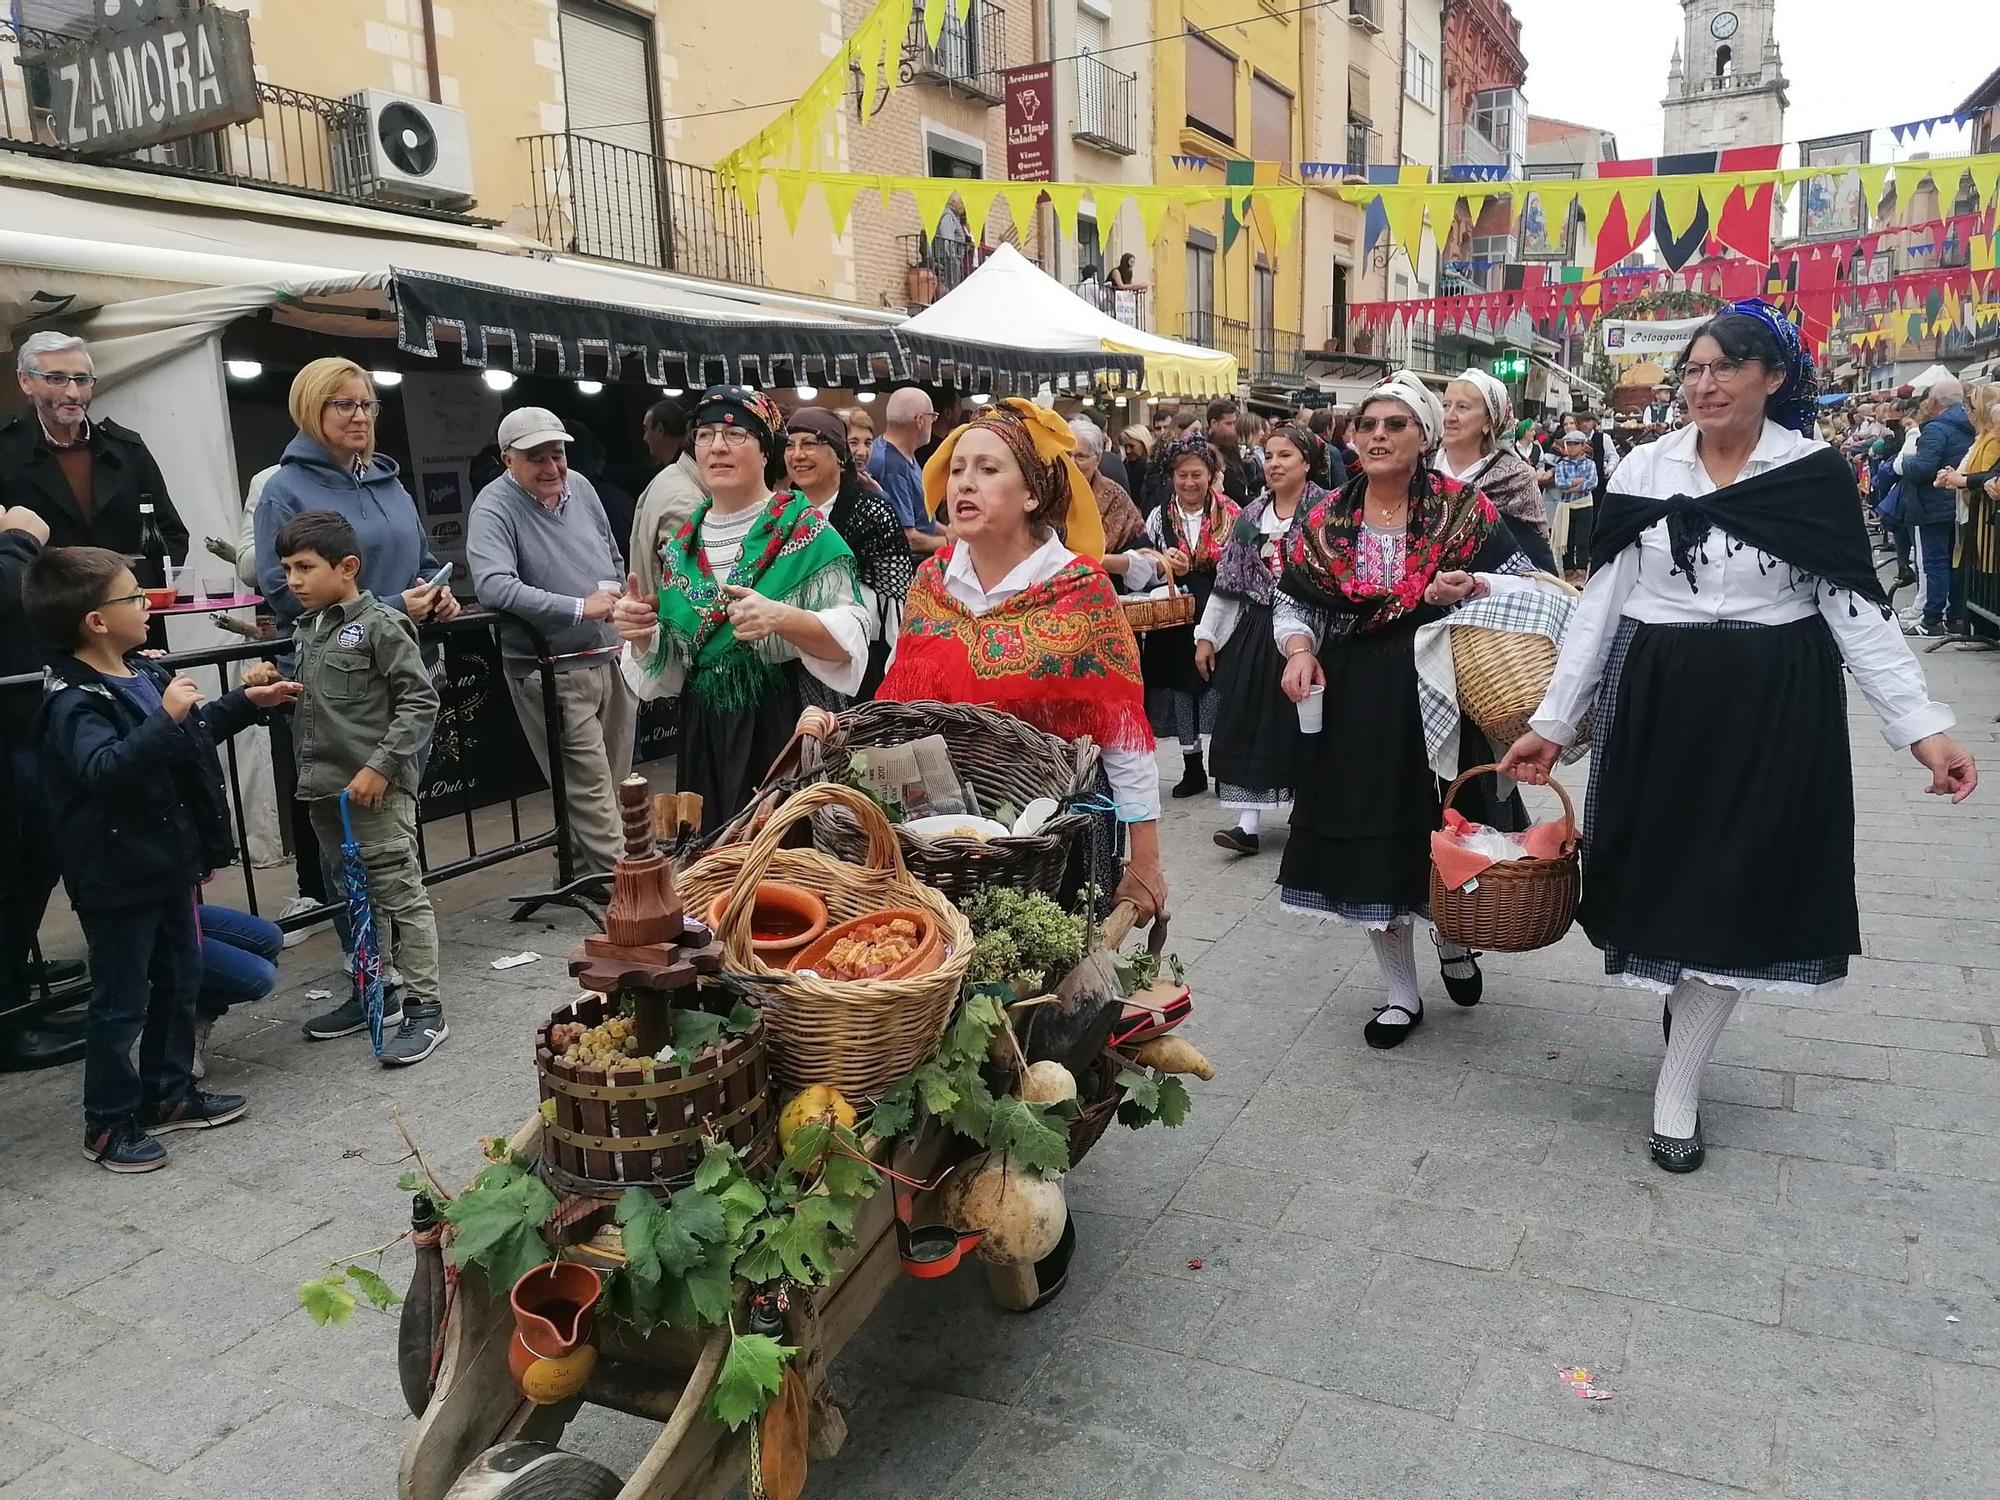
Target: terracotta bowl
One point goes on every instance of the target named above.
(929, 953)
(792, 916)
(160, 598)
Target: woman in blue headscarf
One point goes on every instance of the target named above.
(1730, 579)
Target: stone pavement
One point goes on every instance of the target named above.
(1395, 1249)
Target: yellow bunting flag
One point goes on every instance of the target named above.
(933, 196)
(1681, 199)
(791, 189)
(1021, 198)
(1404, 209)
(839, 203)
(1067, 198)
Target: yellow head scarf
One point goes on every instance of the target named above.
(1042, 444)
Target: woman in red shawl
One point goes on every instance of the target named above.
(1018, 614)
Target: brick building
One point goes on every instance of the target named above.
(1486, 117)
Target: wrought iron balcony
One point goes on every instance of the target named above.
(298, 144)
(1364, 145)
(1276, 354)
(593, 198)
(1106, 112)
(1229, 335)
(970, 54)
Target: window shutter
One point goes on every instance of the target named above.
(1211, 88)
(1357, 94)
(606, 80)
(1270, 121)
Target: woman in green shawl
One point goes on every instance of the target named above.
(758, 599)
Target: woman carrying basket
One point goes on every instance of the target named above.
(1255, 751)
(1363, 568)
(1190, 530)
(1017, 613)
(758, 594)
(1710, 638)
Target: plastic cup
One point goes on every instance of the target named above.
(1312, 712)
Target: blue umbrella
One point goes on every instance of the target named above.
(361, 926)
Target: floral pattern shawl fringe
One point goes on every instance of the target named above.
(1449, 524)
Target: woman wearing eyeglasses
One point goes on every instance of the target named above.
(758, 594)
(332, 465)
(1719, 830)
(1364, 567)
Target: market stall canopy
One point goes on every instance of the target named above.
(1011, 304)
(147, 265)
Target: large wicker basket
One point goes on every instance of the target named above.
(1087, 1125)
(858, 1035)
(1503, 675)
(1514, 906)
(1004, 759)
(1168, 613)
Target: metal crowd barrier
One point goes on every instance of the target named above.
(570, 888)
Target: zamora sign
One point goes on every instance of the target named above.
(128, 89)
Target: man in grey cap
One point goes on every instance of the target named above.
(541, 550)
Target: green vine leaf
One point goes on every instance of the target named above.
(498, 1222)
(1027, 1133)
(750, 1377)
(327, 1300)
(378, 1292)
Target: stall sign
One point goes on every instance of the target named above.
(1031, 107)
(1637, 339)
(134, 87)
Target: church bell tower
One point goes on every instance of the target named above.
(1726, 87)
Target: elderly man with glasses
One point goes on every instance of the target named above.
(85, 477)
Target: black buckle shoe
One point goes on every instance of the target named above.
(1382, 1037)
(1237, 841)
(1464, 989)
(1672, 1154)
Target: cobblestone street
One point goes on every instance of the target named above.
(1351, 1274)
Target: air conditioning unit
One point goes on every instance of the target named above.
(403, 150)
(1367, 14)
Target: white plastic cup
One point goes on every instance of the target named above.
(1312, 712)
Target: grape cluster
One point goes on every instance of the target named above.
(595, 1049)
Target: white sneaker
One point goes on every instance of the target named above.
(298, 906)
(198, 1069)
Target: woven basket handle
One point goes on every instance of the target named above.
(884, 852)
(1160, 560)
(1569, 810)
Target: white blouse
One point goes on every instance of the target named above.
(722, 536)
(1734, 583)
(1134, 774)
(1220, 617)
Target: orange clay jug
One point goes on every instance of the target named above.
(551, 1355)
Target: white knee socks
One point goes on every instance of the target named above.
(1700, 1012)
(1247, 821)
(1396, 952)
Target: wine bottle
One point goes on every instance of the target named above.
(152, 568)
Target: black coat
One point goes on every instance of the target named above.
(22, 649)
(122, 470)
(140, 800)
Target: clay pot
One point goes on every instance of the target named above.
(550, 1355)
(793, 916)
(928, 955)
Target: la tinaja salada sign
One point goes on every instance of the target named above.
(1031, 106)
(126, 89)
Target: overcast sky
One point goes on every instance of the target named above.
(1851, 65)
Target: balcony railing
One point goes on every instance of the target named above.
(1226, 334)
(970, 54)
(936, 263)
(1276, 354)
(1466, 146)
(593, 198)
(1106, 111)
(1364, 145)
(300, 143)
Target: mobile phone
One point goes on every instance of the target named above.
(440, 578)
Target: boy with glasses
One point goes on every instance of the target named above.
(133, 782)
(86, 477)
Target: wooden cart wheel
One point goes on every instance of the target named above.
(534, 1471)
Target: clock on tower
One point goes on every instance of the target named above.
(1727, 85)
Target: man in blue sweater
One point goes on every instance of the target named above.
(541, 550)
(1943, 442)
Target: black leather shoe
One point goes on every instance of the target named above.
(1194, 779)
(1673, 1155)
(1466, 988)
(1381, 1037)
(1237, 841)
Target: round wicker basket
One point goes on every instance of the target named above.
(1514, 906)
(1503, 675)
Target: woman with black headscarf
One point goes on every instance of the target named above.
(1719, 830)
(757, 593)
(820, 462)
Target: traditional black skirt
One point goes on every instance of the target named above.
(725, 756)
(1719, 829)
(1367, 799)
(1255, 754)
(1178, 702)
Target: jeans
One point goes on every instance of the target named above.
(238, 953)
(405, 926)
(1944, 585)
(145, 966)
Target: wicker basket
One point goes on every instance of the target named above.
(1168, 613)
(1514, 906)
(1503, 675)
(1005, 759)
(858, 1035)
(1087, 1126)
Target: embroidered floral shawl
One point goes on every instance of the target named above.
(1449, 524)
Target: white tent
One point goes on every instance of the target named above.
(1008, 300)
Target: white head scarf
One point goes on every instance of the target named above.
(1496, 398)
(1406, 389)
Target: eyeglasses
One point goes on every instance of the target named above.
(1724, 370)
(724, 437)
(60, 380)
(138, 598)
(1382, 424)
(347, 406)
(806, 442)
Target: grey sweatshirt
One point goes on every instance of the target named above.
(539, 564)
